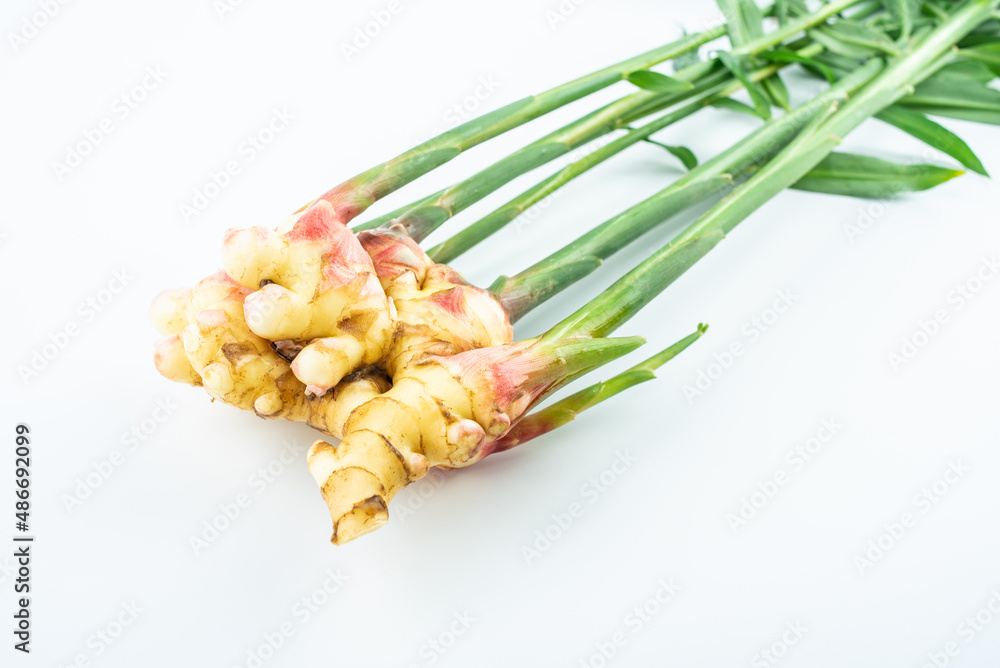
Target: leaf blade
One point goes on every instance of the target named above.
(730, 104)
(933, 134)
(856, 175)
(905, 12)
(682, 153)
(777, 91)
(785, 56)
(744, 20)
(757, 96)
(657, 82)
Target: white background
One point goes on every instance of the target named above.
(462, 551)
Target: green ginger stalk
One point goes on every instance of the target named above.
(421, 218)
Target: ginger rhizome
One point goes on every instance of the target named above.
(366, 339)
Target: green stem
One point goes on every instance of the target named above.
(634, 290)
(451, 248)
(431, 213)
(534, 285)
(795, 27)
(424, 216)
(358, 193)
(565, 410)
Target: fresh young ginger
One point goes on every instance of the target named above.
(398, 356)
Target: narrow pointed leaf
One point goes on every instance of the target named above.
(744, 20)
(864, 176)
(785, 10)
(785, 56)
(969, 99)
(660, 83)
(682, 153)
(776, 91)
(932, 134)
(759, 99)
(841, 65)
(990, 117)
(979, 39)
(988, 54)
(904, 12)
(734, 105)
(964, 70)
(853, 39)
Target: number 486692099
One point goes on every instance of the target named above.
(22, 476)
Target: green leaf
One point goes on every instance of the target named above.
(682, 153)
(932, 134)
(864, 176)
(776, 90)
(853, 39)
(987, 54)
(978, 39)
(841, 65)
(973, 115)
(744, 20)
(861, 34)
(760, 101)
(785, 10)
(734, 105)
(965, 70)
(904, 12)
(657, 82)
(784, 56)
(959, 98)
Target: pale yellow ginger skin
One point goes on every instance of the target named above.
(209, 343)
(444, 411)
(437, 312)
(400, 317)
(314, 283)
